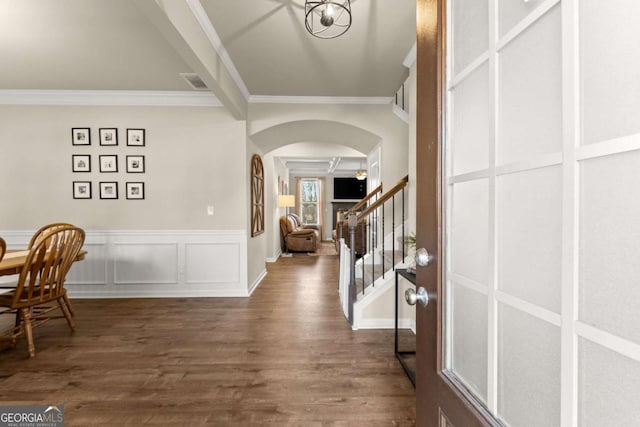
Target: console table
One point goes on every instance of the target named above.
(401, 355)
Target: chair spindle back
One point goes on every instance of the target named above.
(47, 264)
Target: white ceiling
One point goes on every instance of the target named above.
(84, 45)
(321, 166)
(275, 54)
(113, 45)
(117, 45)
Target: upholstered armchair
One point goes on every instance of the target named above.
(299, 224)
(296, 237)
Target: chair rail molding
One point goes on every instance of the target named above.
(156, 263)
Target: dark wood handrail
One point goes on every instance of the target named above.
(362, 202)
(386, 196)
(342, 215)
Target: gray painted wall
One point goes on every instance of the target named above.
(189, 156)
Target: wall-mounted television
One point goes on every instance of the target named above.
(349, 188)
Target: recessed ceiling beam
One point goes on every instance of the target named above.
(178, 23)
(334, 164)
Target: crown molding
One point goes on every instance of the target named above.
(163, 98)
(264, 99)
(109, 97)
(206, 25)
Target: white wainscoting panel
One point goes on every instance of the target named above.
(145, 263)
(93, 270)
(156, 263)
(213, 262)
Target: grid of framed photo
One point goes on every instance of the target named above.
(107, 163)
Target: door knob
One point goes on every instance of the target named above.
(422, 257)
(412, 297)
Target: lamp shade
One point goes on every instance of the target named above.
(286, 201)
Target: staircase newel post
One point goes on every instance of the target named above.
(353, 222)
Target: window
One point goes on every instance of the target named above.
(310, 201)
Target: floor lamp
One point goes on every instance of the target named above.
(286, 201)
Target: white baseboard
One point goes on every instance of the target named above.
(385, 324)
(257, 282)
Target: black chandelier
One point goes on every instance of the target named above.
(327, 19)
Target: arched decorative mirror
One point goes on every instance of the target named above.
(257, 196)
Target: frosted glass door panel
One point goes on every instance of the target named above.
(469, 338)
(610, 105)
(470, 32)
(530, 110)
(469, 230)
(530, 235)
(528, 370)
(512, 12)
(470, 130)
(610, 244)
(609, 387)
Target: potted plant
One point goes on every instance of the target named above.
(410, 241)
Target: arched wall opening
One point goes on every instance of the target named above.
(305, 138)
(318, 132)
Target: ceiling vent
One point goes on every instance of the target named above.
(194, 81)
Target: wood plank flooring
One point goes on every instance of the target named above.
(285, 356)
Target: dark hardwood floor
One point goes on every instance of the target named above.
(284, 356)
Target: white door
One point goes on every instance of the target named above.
(542, 209)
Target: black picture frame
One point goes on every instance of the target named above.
(135, 190)
(108, 163)
(81, 189)
(135, 137)
(135, 164)
(80, 136)
(108, 136)
(81, 163)
(108, 190)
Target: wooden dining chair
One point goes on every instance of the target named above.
(37, 236)
(3, 248)
(40, 289)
